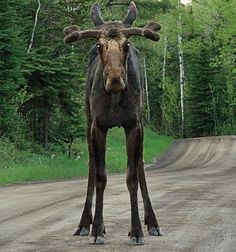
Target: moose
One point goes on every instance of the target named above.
(114, 98)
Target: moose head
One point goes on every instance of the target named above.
(112, 43)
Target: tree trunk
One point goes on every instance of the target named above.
(146, 90)
(35, 24)
(70, 142)
(181, 74)
(164, 80)
(69, 150)
(164, 62)
(45, 127)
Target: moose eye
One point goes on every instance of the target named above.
(126, 47)
(99, 47)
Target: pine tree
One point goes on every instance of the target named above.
(54, 79)
(200, 121)
(11, 57)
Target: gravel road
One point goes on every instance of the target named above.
(193, 192)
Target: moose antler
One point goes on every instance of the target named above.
(149, 31)
(73, 33)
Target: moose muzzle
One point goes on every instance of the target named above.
(115, 85)
(114, 79)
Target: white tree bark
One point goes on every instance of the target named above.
(35, 25)
(164, 62)
(181, 73)
(146, 90)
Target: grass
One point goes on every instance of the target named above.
(21, 166)
(116, 159)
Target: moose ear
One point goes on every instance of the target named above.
(131, 15)
(96, 15)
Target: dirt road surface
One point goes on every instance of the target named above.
(193, 192)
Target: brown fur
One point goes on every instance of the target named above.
(114, 97)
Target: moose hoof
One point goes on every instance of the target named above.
(155, 231)
(97, 240)
(136, 241)
(81, 232)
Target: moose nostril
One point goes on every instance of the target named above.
(123, 71)
(115, 81)
(115, 84)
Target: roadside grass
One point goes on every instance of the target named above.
(116, 158)
(21, 166)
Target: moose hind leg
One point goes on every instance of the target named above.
(99, 146)
(150, 218)
(136, 233)
(133, 141)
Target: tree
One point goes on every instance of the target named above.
(41, 92)
(11, 58)
(200, 121)
(53, 76)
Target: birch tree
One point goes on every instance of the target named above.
(164, 60)
(35, 25)
(146, 90)
(181, 72)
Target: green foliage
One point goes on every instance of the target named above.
(41, 92)
(210, 68)
(170, 108)
(23, 166)
(200, 115)
(11, 57)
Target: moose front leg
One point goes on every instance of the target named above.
(133, 147)
(150, 218)
(86, 219)
(99, 146)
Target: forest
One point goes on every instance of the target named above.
(190, 73)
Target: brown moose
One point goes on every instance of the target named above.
(114, 97)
